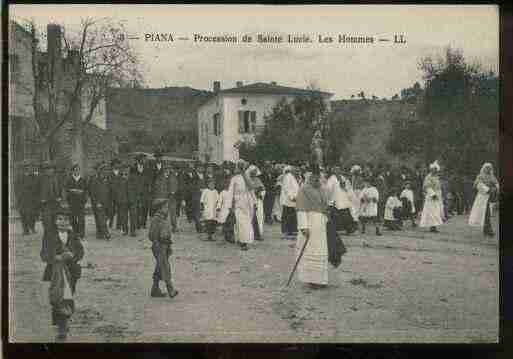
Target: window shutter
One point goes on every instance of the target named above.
(253, 121)
(241, 121)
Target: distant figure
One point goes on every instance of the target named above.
(487, 188)
(433, 205)
(316, 147)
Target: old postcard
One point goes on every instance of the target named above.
(252, 173)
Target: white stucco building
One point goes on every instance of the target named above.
(236, 114)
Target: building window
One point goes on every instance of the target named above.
(217, 124)
(247, 121)
(243, 101)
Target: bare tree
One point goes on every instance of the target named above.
(99, 56)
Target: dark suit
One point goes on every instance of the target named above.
(114, 183)
(28, 201)
(99, 190)
(76, 196)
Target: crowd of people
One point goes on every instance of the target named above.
(313, 205)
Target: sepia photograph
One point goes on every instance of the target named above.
(253, 173)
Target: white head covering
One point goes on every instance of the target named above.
(287, 168)
(434, 166)
(254, 168)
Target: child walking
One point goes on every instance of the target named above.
(369, 198)
(160, 236)
(209, 199)
(393, 211)
(408, 204)
(61, 251)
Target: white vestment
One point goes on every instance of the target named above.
(477, 214)
(369, 208)
(313, 266)
(224, 205)
(392, 203)
(289, 190)
(244, 207)
(260, 212)
(209, 200)
(408, 194)
(433, 207)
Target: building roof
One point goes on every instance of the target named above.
(272, 89)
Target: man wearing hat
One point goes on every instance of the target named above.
(99, 191)
(289, 190)
(27, 191)
(76, 196)
(156, 170)
(141, 177)
(51, 194)
(115, 188)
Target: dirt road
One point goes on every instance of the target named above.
(411, 286)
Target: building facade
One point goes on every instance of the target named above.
(238, 114)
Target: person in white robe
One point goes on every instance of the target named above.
(433, 209)
(259, 189)
(242, 197)
(225, 215)
(408, 203)
(289, 190)
(312, 216)
(277, 207)
(487, 188)
(208, 201)
(369, 198)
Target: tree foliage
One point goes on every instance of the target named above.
(288, 130)
(457, 115)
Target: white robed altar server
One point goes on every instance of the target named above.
(242, 197)
(487, 188)
(254, 173)
(312, 206)
(433, 207)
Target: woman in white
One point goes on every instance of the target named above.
(312, 216)
(253, 172)
(487, 188)
(243, 198)
(277, 208)
(433, 209)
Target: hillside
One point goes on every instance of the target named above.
(371, 122)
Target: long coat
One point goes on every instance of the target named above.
(55, 270)
(477, 214)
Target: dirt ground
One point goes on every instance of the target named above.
(409, 286)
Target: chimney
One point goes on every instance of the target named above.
(273, 83)
(217, 86)
(239, 83)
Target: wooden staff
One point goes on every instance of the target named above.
(298, 259)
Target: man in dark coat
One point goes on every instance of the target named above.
(27, 193)
(99, 190)
(269, 180)
(61, 251)
(122, 201)
(156, 170)
(172, 176)
(76, 196)
(114, 183)
(50, 195)
(142, 175)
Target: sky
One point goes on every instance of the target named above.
(381, 68)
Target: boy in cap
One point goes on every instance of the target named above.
(61, 251)
(160, 235)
